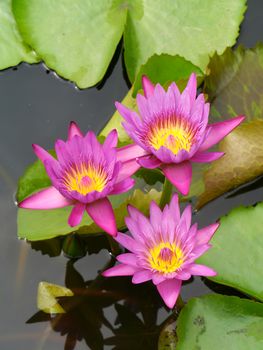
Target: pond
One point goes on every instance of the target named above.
(36, 107)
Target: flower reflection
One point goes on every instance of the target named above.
(106, 312)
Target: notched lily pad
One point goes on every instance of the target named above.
(220, 322)
(46, 297)
(164, 69)
(78, 39)
(75, 38)
(191, 29)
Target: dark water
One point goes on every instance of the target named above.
(36, 106)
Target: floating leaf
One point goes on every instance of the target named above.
(191, 29)
(12, 48)
(164, 69)
(75, 38)
(78, 39)
(46, 297)
(37, 225)
(237, 249)
(34, 178)
(220, 322)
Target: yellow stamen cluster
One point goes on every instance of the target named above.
(166, 257)
(172, 134)
(85, 179)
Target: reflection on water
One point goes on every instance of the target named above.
(132, 321)
(104, 313)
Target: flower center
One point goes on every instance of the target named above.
(85, 178)
(171, 134)
(166, 257)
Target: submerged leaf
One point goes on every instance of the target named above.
(78, 39)
(12, 48)
(168, 337)
(46, 297)
(220, 322)
(236, 253)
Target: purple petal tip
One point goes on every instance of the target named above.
(148, 86)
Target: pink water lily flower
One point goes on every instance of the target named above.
(83, 175)
(163, 249)
(172, 130)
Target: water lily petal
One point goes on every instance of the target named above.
(128, 259)
(205, 234)
(219, 130)
(155, 216)
(147, 85)
(141, 276)
(149, 162)
(187, 216)
(169, 291)
(76, 214)
(41, 153)
(201, 270)
(120, 270)
(102, 214)
(128, 242)
(74, 130)
(130, 116)
(127, 169)
(191, 87)
(129, 152)
(158, 278)
(49, 198)
(183, 275)
(123, 186)
(204, 157)
(111, 140)
(174, 207)
(180, 175)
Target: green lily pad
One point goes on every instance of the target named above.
(12, 48)
(191, 29)
(164, 69)
(75, 38)
(78, 39)
(37, 225)
(234, 88)
(46, 297)
(34, 178)
(236, 253)
(220, 322)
